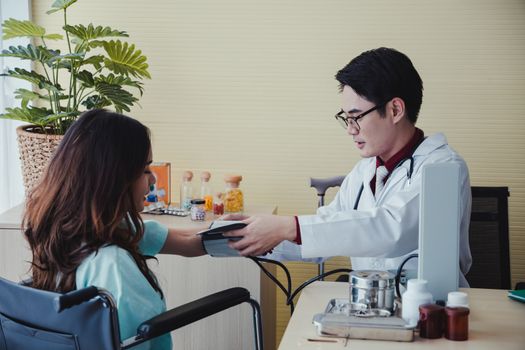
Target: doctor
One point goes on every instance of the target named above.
(374, 217)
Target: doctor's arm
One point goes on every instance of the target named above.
(263, 233)
(266, 232)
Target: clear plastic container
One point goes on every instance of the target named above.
(186, 190)
(206, 192)
(233, 198)
(197, 211)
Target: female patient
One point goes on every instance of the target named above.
(83, 224)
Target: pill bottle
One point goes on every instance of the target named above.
(457, 299)
(218, 205)
(431, 321)
(197, 211)
(206, 193)
(186, 190)
(233, 196)
(456, 323)
(415, 295)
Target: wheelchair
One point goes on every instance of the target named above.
(87, 318)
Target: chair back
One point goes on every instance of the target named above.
(38, 319)
(321, 185)
(489, 238)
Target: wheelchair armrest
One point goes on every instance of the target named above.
(191, 312)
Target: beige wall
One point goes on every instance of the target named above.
(247, 87)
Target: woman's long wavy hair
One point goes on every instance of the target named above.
(85, 199)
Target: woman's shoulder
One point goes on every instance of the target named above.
(105, 258)
(108, 252)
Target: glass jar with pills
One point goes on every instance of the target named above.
(186, 190)
(233, 198)
(206, 192)
(197, 211)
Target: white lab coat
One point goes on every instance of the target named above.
(383, 231)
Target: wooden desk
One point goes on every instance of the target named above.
(182, 280)
(495, 322)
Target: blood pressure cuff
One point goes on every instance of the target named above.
(215, 243)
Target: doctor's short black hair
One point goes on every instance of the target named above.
(381, 74)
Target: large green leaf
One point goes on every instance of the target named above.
(68, 56)
(94, 44)
(31, 52)
(91, 32)
(124, 59)
(33, 115)
(96, 101)
(14, 28)
(119, 97)
(26, 96)
(96, 61)
(86, 78)
(59, 116)
(34, 78)
(60, 5)
(121, 80)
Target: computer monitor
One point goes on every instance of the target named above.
(439, 222)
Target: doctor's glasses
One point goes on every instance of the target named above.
(346, 120)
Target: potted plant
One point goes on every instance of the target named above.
(96, 70)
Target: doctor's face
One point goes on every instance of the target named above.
(374, 135)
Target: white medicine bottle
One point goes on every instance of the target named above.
(186, 190)
(415, 295)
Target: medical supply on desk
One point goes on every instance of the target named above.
(372, 292)
(218, 205)
(197, 211)
(337, 322)
(369, 313)
(206, 192)
(163, 210)
(431, 321)
(456, 323)
(415, 295)
(457, 299)
(213, 241)
(186, 190)
(233, 198)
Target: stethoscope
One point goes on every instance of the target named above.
(401, 162)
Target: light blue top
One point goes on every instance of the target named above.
(113, 269)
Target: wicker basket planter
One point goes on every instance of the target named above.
(36, 150)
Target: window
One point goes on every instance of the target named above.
(11, 186)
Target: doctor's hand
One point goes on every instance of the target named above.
(262, 234)
(234, 217)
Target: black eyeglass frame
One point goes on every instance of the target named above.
(343, 119)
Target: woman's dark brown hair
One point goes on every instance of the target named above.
(85, 199)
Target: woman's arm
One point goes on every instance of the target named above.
(183, 242)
